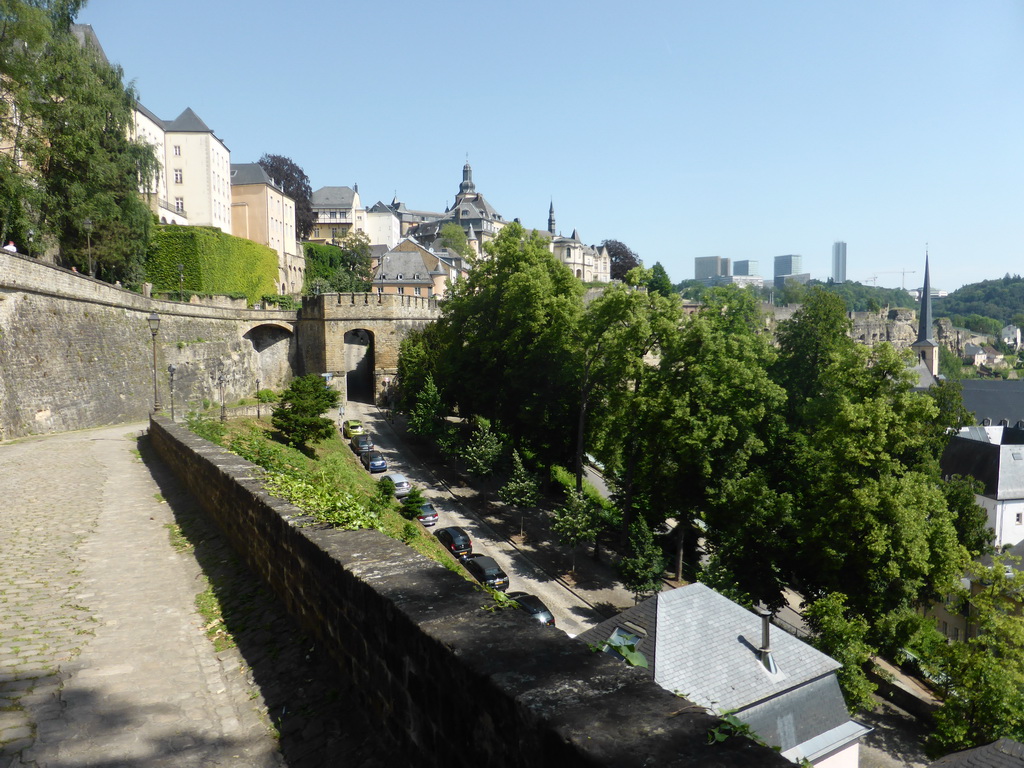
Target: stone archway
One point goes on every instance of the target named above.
(359, 358)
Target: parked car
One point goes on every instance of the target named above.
(352, 427)
(374, 461)
(533, 606)
(486, 571)
(426, 514)
(362, 443)
(455, 540)
(402, 485)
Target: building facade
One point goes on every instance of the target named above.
(709, 267)
(336, 212)
(198, 168)
(839, 262)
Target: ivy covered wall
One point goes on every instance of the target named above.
(213, 262)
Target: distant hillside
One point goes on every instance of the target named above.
(1002, 300)
(857, 297)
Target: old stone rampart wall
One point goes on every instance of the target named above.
(77, 352)
(448, 682)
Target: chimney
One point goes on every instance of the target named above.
(765, 651)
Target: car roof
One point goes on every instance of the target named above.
(529, 602)
(395, 477)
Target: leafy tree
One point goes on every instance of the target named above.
(659, 281)
(298, 414)
(999, 300)
(293, 182)
(576, 521)
(521, 490)
(984, 675)
(412, 502)
(484, 449)
(427, 415)
(622, 258)
(969, 518)
(641, 570)
(341, 267)
(843, 636)
(75, 119)
(453, 237)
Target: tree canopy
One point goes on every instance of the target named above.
(622, 258)
(299, 412)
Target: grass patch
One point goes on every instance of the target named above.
(179, 542)
(209, 608)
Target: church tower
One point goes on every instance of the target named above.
(551, 218)
(926, 348)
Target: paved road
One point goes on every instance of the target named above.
(103, 661)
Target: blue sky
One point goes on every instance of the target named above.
(720, 128)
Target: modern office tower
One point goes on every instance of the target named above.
(839, 262)
(746, 267)
(709, 267)
(788, 265)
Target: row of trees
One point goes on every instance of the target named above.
(70, 173)
(807, 461)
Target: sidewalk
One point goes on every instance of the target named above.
(102, 657)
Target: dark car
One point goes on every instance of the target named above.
(533, 606)
(374, 461)
(455, 540)
(362, 443)
(426, 514)
(486, 571)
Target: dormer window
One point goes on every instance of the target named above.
(399, 275)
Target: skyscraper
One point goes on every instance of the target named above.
(839, 262)
(788, 265)
(708, 267)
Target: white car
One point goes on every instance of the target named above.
(402, 484)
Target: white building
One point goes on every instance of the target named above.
(198, 168)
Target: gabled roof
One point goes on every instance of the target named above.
(187, 122)
(140, 107)
(250, 173)
(86, 37)
(994, 399)
(337, 197)
(701, 645)
(993, 455)
(1004, 753)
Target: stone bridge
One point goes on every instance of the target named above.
(76, 352)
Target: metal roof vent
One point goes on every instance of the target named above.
(765, 651)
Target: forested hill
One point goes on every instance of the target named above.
(1001, 299)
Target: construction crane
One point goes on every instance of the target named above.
(904, 272)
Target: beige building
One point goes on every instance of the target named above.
(336, 212)
(409, 269)
(149, 128)
(261, 212)
(589, 263)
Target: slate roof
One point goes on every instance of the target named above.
(187, 122)
(333, 197)
(993, 455)
(994, 399)
(250, 173)
(704, 647)
(1004, 753)
(148, 113)
(86, 37)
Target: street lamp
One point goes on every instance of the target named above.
(87, 226)
(171, 369)
(31, 236)
(258, 414)
(223, 409)
(181, 282)
(154, 327)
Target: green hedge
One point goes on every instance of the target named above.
(214, 262)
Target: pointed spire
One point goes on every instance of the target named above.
(575, 235)
(551, 218)
(471, 235)
(924, 330)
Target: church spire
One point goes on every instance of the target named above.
(551, 218)
(926, 348)
(467, 187)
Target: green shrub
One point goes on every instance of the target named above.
(213, 262)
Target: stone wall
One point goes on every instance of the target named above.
(450, 683)
(77, 352)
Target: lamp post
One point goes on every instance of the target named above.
(171, 369)
(87, 226)
(258, 414)
(31, 236)
(154, 327)
(181, 282)
(223, 409)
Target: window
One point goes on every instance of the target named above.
(418, 291)
(316, 231)
(380, 289)
(1020, 518)
(177, 175)
(177, 150)
(401, 289)
(179, 205)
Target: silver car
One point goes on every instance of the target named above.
(401, 483)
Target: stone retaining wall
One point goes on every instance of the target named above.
(451, 683)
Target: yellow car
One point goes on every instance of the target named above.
(352, 427)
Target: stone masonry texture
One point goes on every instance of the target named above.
(441, 679)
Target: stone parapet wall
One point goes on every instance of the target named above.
(77, 352)
(449, 682)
